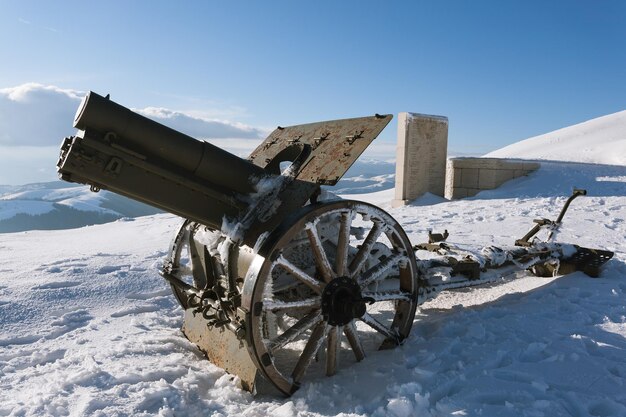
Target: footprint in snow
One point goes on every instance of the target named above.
(110, 269)
(19, 340)
(149, 295)
(136, 310)
(56, 285)
(69, 322)
(32, 360)
(156, 255)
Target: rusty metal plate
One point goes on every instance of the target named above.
(335, 145)
(221, 347)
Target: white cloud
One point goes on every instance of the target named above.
(34, 119)
(199, 127)
(36, 115)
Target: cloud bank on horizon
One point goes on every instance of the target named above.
(34, 118)
(36, 115)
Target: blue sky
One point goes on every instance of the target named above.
(501, 71)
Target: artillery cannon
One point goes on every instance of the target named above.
(275, 279)
(266, 271)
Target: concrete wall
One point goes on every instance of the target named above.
(466, 177)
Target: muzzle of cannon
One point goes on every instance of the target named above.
(132, 155)
(276, 282)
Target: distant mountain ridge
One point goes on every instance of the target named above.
(60, 205)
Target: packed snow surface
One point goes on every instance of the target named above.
(88, 328)
(601, 140)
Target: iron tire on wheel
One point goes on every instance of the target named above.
(333, 269)
(186, 263)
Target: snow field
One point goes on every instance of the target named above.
(88, 328)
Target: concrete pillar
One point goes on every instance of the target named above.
(420, 156)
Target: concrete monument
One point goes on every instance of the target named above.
(420, 156)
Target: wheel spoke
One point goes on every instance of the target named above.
(380, 328)
(380, 270)
(332, 349)
(388, 295)
(361, 256)
(313, 345)
(321, 260)
(277, 305)
(343, 242)
(298, 273)
(354, 340)
(292, 333)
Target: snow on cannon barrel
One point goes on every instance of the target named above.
(276, 282)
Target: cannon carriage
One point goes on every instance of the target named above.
(272, 275)
(276, 278)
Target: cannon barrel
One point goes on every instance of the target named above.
(120, 150)
(149, 137)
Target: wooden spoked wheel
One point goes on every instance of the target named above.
(336, 280)
(187, 262)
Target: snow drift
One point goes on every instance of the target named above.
(599, 141)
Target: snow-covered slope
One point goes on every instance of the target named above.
(88, 328)
(600, 141)
(59, 205)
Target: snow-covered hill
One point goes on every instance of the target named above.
(599, 141)
(60, 205)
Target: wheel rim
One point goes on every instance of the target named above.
(328, 287)
(186, 262)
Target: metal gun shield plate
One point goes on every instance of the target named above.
(335, 145)
(334, 269)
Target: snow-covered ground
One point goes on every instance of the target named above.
(88, 328)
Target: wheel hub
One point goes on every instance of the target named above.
(342, 301)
